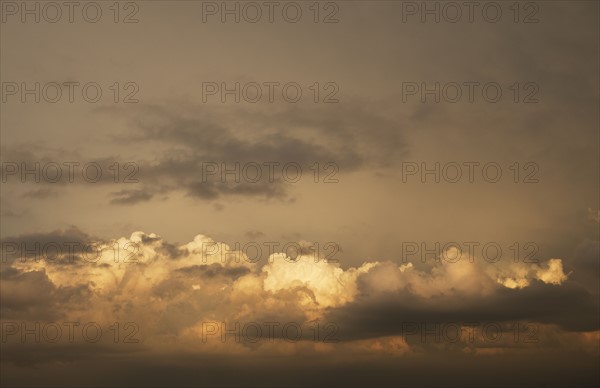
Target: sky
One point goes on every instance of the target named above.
(299, 193)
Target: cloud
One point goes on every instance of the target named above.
(130, 197)
(186, 139)
(172, 289)
(40, 193)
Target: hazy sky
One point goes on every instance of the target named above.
(418, 127)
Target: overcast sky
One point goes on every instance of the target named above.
(449, 174)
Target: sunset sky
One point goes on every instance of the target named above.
(329, 194)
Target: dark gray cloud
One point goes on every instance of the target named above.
(352, 136)
(60, 246)
(570, 306)
(213, 270)
(41, 193)
(32, 296)
(130, 197)
(59, 236)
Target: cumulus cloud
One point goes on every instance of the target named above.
(172, 290)
(204, 304)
